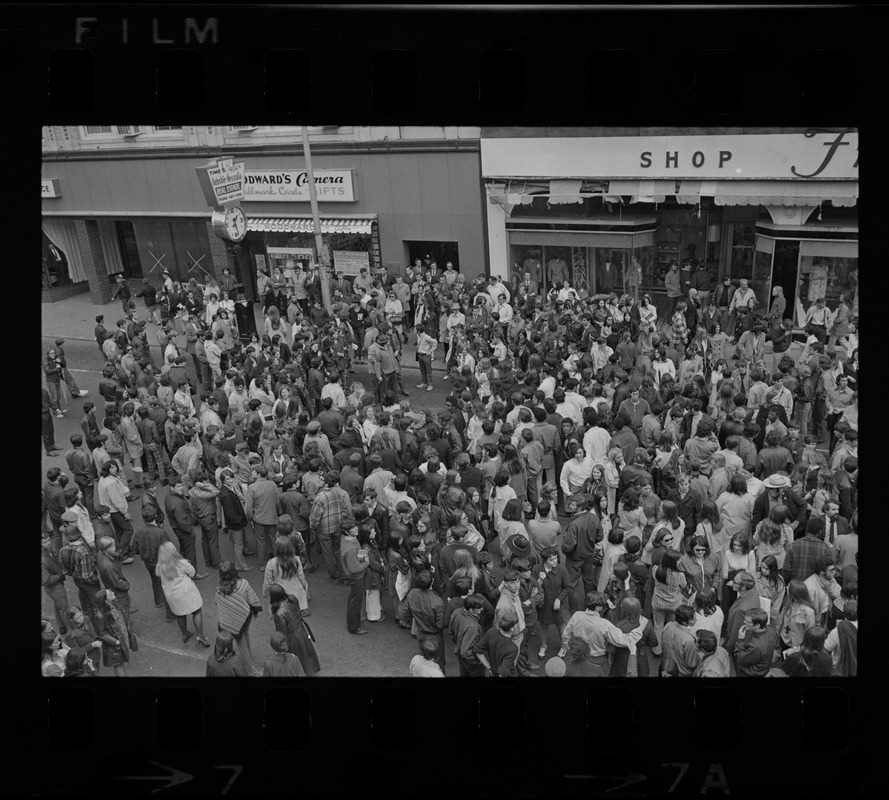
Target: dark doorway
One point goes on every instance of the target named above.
(784, 273)
(55, 265)
(440, 252)
(129, 251)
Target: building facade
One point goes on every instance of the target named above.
(611, 208)
(125, 199)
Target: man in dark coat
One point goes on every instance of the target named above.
(578, 545)
(778, 491)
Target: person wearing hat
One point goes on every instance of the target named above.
(778, 492)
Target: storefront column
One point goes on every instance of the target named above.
(498, 249)
(225, 256)
(93, 261)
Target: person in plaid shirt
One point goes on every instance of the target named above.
(79, 562)
(799, 563)
(331, 515)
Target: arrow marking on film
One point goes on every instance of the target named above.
(173, 779)
(628, 779)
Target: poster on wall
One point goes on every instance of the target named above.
(350, 262)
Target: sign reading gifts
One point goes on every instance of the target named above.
(292, 185)
(222, 181)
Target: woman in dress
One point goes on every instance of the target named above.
(182, 595)
(112, 630)
(211, 309)
(288, 619)
(669, 583)
(647, 312)
(738, 558)
(222, 662)
(612, 477)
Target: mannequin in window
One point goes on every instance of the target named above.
(557, 270)
(608, 276)
(633, 278)
(817, 281)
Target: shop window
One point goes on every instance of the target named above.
(829, 277)
(159, 128)
(129, 252)
(55, 265)
(98, 130)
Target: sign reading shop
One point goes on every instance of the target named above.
(818, 154)
(292, 185)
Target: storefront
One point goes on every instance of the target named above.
(617, 210)
(381, 206)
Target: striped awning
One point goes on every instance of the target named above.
(305, 224)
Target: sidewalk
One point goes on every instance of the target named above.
(74, 319)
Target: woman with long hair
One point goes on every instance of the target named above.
(738, 558)
(289, 621)
(612, 477)
(236, 607)
(811, 660)
(708, 615)
(667, 464)
(722, 399)
(773, 535)
(720, 477)
(770, 585)
(511, 522)
(710, 527)
(735, 506)
(113, 631)
(369, 425)
(669, 583)
(286, 569)
(182, 595)
(631, 516)
(375, 575)
(612, 548)
(700, 566)
(467, 569)
(222, 663)
(518, 474)
(501, 494)
(274, 324)
(798, 616)
(825, 492)
(667, 519)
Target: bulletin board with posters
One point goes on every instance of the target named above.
(350, 262)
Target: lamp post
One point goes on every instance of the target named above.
(316, 222)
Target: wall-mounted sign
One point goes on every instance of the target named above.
(292, 185)
(815, 154)
(350, 262)
(222, 181)
(50, 187)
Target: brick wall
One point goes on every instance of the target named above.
(93, 261)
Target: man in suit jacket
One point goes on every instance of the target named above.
(834, 524)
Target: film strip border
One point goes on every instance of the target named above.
(681, 66)
(534, 738)
(538, 67)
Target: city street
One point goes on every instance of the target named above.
(386, 651)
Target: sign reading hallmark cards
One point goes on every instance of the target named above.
(50, 188)
(222, 181)
(292, 185)
(350, 262)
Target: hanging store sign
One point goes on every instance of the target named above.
(292, 186)
(813, 155)
(350, 262)
(222, 181)
(50, 187)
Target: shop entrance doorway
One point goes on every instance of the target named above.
(784, 273)
(427, 252)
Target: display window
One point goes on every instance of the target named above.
(830, 278)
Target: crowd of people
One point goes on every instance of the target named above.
(604, 493)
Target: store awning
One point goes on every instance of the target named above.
(770, 193)
(305, 224)
(642, 191)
